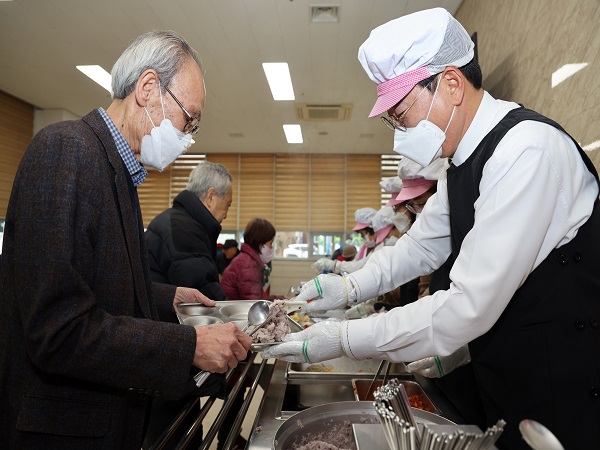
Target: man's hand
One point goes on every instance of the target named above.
(190, 295)
(220, 347)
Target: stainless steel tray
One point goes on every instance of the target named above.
(319, 419)
(360, 388)
(235, 311)
(341, 369)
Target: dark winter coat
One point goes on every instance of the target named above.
(182, 243)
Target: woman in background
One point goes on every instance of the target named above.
(247, 276)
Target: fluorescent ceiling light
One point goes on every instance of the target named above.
(280, 82)
(293, 133)
(566, 71)
(593, 146)
(98, 74)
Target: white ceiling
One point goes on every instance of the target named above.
(41, 42)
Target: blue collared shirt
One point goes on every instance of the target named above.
(136, 170)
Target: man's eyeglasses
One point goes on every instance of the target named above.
(394, 122)
(192, 124)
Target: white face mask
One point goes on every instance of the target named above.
(369, 243)
(164, 144)
(390, 241)
(423, 143)
(401, 222)
(266, 254)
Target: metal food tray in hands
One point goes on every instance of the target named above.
(235, 311)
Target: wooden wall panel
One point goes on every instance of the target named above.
(16, 131)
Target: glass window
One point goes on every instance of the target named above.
(291, 244)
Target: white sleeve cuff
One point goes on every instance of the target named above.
(356, 339)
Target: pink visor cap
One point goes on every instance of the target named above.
(382, 234)
(402, 52)
(363, 217)
(414, 187)
(383, 223)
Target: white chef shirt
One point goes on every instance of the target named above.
(535, 193)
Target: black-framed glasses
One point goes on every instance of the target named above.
(192, 124)
(394, 122)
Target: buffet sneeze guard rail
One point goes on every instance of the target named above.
(202, 412)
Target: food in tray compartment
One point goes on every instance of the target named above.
(305, 321)
(276, 327)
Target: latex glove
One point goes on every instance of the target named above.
(438, 366)
(361, 310)
(326, 292)
(323, 265)
(319, 342)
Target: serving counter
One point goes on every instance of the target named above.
(288, 391)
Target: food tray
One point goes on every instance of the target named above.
(342, 368)
(412, 388)
(235, 311)
(320, 418)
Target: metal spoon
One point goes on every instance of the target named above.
(258, 314)
(538, 436)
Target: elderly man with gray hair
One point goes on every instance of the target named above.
(182, 240)
(83, 347)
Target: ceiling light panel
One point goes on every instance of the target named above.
(280, 81)
(98, 74)
(566, 71)
(293, 133)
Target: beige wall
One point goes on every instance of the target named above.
(521, 43)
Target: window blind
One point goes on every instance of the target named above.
(291, 192)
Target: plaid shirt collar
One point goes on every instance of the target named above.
(136, 170)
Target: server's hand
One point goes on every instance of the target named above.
(319, 342)
(438, 366)
(324, 264)
(326, 292)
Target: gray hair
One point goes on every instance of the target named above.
(163, 51)
(208, 175)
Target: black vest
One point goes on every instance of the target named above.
(541, 359)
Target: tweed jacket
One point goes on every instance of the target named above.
(81, 350)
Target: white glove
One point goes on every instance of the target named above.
(361, 310)
(438, 366)
(319, 342)
(323, 264)
(325, 292)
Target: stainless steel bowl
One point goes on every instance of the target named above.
(201, 320)
(236, 311)
(319, 419)
(195, 309)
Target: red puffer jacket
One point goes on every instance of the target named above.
(243, 277)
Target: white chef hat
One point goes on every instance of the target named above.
(416, 179)
(392, 185)
(402, 52)
(383, 222)
(363, 217)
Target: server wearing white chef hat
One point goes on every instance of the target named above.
(517, 211)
